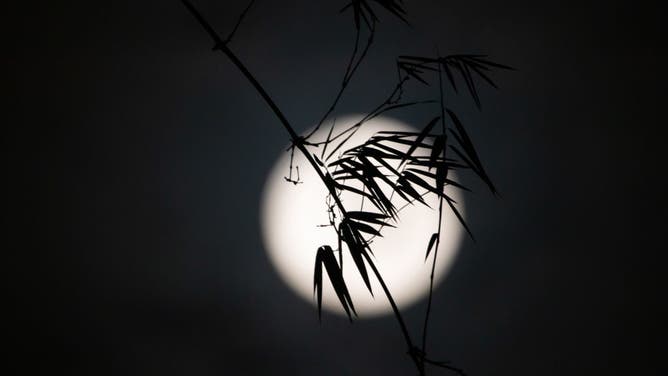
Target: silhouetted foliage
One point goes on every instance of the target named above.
(411, 165)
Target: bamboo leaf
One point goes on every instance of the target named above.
(377, 155)
(432, 241)
(401, 155)
(401, 140)
(362, 10)
(325, 256)
(357, 249)
(484, 76)
(433, 176)
(470, 83)
(466, 143)
(441, 176)
(359, 226)
(405, 186)
(451, 78)
(421, 137)
(461, 220)
(375, 218)
(437, 148)
(417, 180)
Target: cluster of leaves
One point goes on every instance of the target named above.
(463, 66)
(411, 165)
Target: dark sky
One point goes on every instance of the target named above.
(134, 160)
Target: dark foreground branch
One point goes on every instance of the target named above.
(299, 143)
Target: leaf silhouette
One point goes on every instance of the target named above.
(359, 226)
(470, 156)
(432, 241)
(422, 135)
(413, 70)
(441, 176)
(417, 180)
(465, 65)
(369, 166)
(461, 220)
(363, 11)
(357, 247)
(451, 77)
(415, 66)
(466, 75)
(325, 256)
(375, 218)
(437, 148)
(364, 173)
(406, 187)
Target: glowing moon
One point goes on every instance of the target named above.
(290, 215)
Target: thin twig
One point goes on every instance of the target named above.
(440, 216)
(241, 18)
(375, 112)
(350, 71)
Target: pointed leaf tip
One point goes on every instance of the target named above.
(325, 256)
(432, 241)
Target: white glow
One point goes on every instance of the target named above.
(290, 215)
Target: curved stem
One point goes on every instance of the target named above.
(220, 45)
(431, 278)
(416, 359)
(440, 216)
(241, 18)
(350, 71)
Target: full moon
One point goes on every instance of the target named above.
(293, 215)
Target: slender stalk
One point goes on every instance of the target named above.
(440, 216)
(241, 18)
(431, 278)
(298, 142)
(355, 127)
(397, 314)
(350, 71)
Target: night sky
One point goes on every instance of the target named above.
(135, 157)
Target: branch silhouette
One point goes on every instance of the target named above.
(411, 164)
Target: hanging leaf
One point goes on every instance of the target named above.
(471, 156)
(325, 256)
(405, 186)
(421, 136)
(451, 77)
(357, 248)
(432, 241)
(437, 148)
(433, 176)
(441, 176)
(460, 218)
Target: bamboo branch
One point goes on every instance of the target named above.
(299, 143)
